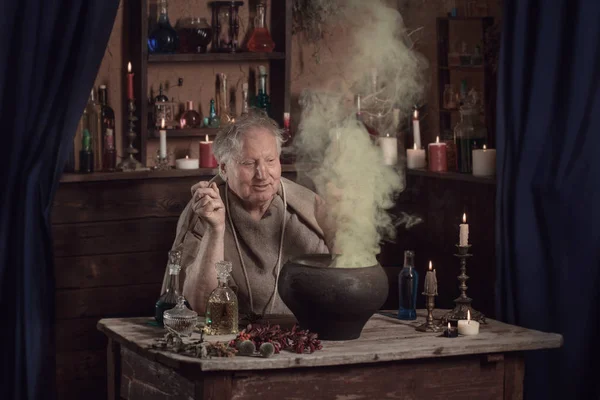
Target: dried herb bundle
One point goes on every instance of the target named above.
(296, 339)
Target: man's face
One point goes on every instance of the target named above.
(254, 175)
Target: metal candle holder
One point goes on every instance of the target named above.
(130, 163)
(429, 325)
(162, 164)
(463, 302)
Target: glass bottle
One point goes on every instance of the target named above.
(107, 129)
(222, 306)
(223, 112)
(263, 101)
(169, 298)
(190, 118)
(470, 133)
(213, 119)
(449, 97)
(260, 39)
(245, 99)
(91, 121)
(408, 281)
(203, 34)
(86, 154)
(163, 38)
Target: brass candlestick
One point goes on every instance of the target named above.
(130, 163)
(463, 302)
(429, 325)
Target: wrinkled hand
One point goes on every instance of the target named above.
(207, 204)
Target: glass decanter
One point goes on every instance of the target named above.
(190, 118)
(408, 281)
(163, 38)
(180, 319)
(260, 40)
(222, 306)
(169, 298)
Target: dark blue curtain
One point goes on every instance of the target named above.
(50, 52)
(548, 199)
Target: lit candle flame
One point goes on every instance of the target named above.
(468, 316)
(187, 157)
(415, 146)
(448, 325)
(162, 123)
(484, 147)
(129, 67)
(437, 139)
(430, 265)
(416, 114)
(206, 138)
(464, 218)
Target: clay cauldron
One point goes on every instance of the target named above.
(335, 302)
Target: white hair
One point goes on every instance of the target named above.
(228, 143)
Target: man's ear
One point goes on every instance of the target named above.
(223, 171)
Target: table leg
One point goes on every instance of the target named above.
(113, 364)
(514, 374)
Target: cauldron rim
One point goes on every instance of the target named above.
(305, 259)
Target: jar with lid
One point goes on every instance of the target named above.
(180, 319)
(470, 133)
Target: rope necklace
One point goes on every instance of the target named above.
(237, 245)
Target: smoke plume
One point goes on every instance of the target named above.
(335, 148)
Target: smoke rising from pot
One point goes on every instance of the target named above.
(342, 161)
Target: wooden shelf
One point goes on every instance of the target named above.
(457, 176)
(151, 174)
(479, 68)
(187, 132)
(248, 56)
(463, 18)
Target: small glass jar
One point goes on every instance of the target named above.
(190, 118)
(203, 34)
(180, 319)
(195, 34)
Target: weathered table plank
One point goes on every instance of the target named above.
(383, 339)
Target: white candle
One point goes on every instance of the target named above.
(463, 237)
(416, 129)
(163, 139)
(187, 163)
(430, 281)
(484, 162)
(467, 327)
(415, 158)
(389, 148)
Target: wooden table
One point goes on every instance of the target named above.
(389, 361)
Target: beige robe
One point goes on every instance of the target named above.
(259, 243)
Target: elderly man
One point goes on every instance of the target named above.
(248, 215)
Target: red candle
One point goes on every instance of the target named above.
(207, 159)
(129, 82)
(437, 156)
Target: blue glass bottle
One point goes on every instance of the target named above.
(408, 281)
(163, 38)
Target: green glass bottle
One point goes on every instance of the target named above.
(263, 101)
(86, 155)
(213, 119)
